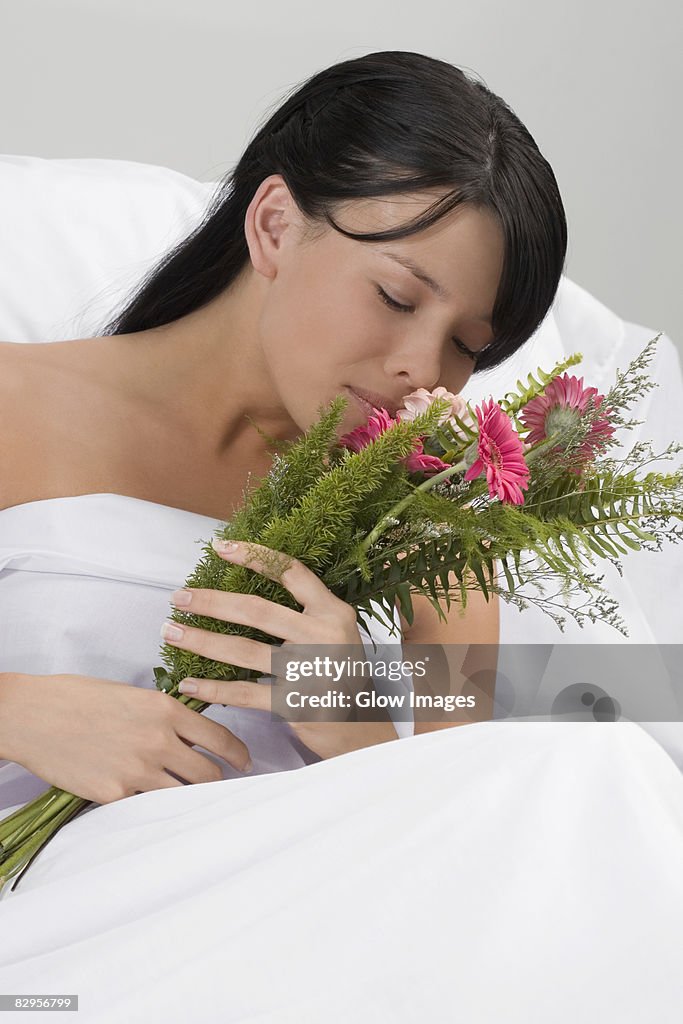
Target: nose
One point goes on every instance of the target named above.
(417, 363)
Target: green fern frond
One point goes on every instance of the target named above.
(513, 401)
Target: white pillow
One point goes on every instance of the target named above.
(79, 234)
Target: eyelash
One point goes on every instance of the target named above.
(400, 308)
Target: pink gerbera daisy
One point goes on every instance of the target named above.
(360, 437)
(501, 453)
(560, 407)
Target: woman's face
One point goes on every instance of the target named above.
(328, 320)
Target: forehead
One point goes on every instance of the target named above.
(463, 250)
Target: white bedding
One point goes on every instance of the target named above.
(495, 872)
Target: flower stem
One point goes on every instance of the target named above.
(14, 821)
(41, 816)
(20, 857)
(540, 446)
(394, 511)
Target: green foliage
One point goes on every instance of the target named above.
(564, 534)
(377, 539)
(304, 509)
(514, 400)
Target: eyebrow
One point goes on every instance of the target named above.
(423, 276)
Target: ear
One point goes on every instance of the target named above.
(271, 221)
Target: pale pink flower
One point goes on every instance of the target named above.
(501, 452)
(419, 401)
(561, 405)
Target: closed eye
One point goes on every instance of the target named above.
(400, 308)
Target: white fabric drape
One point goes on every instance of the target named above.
(496, 871)
(520, 872)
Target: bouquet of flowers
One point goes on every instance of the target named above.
(441, 499)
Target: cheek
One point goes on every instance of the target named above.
(287, 331)
(318, 337)
(456, 373)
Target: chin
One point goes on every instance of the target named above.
(352, 415)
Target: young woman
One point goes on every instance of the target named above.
(391, 226)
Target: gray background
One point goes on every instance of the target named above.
(184, 83)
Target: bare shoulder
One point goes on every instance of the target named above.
(14, 368)
(10, 359)
(19, 420)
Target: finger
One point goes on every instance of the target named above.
(213, 736)
(246, 610)
(302, 583)
(238, 693)
(232, 650)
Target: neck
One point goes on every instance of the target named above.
(206, 374)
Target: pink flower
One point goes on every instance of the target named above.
(360, 437)
(416, 462)
(419, 401)
(501, 453)
(561, 405)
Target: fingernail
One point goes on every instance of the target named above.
(170, 632)
(187, 686)
(181, 598)
(224, 546)
(248, 766)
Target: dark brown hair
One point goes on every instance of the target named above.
(387, 123)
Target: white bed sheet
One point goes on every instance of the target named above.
(517, 872)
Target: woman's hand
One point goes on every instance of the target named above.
(104, 740)
(325, 619)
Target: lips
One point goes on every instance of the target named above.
(374, 399)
